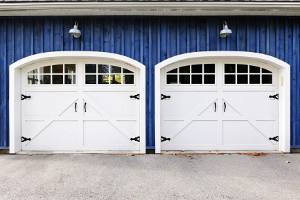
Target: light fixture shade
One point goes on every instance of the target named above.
(225, 31)
(75, 32)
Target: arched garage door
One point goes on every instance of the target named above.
(219, 104)
(82, 104)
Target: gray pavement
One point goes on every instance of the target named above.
(143, 177)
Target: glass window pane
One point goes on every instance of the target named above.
(197, 68)
(116, 79)
(184, 69)
(209, 79)
(184, 79)
(57, 79)
(127, 71)
(242, 68)
(172, 79)
(242, 79)
(265, 70)
(254, 79)
(115, 69)
(266, 79)
(90, 79)
(45, 69)
(209, 68)
(254, 69)
(128, 79)
(171, 71)
(32, 79)
(103, 69)
(229, 68)
(57, 68)
(196, 79)
(35, 71)
(45, 79)
(103, 79)
(229, 79)
(70, 68)
(90, 68)
(70, 79)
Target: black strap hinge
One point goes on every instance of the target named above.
(163, 96)
(23, 97)
(163, 139)
(276, 138)
(137, 96)
(275, 96)
(137, 139)
(24, 139)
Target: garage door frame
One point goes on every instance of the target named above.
(284, 88)
(15, 89)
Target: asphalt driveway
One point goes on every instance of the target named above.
(142, 177)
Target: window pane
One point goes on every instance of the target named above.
(266, 79)
(184, 79)
(196, 79)
(57, 79)
(242, 68)
(229, 79)
(254, 69)
(35, 71)
(45, 69)
(90, 79)
(184, 69)
(115, 69)
(127, 71)
(90, 68)
(70, 79)
(45, 79)
(209, 79)
(103, 69)
(229, 68)
(70, 68)
(209, 68)
(128, 79)
(254, 79)
(116, 79)
(196, 68)
(172, 79)
(103, 79)
(265, 70)
(172, 71)
(242, 79)
(57, 68)
(32, 79)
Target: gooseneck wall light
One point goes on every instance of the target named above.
(75, 32)
(225, 31)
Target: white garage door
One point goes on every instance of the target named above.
(219, 106)
(81, 106)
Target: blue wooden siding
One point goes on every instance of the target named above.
(150, 40)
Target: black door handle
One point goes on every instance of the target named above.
(75, 106)
(84, 106)
(215, 106)
(224, 107)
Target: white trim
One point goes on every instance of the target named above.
(284, 87)
(150, 8)
(15, 89)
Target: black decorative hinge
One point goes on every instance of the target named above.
(137, 96)
(163, 96)
(163, 139)
(275, 96)
(24, 139)
(137, 139)
(23, 97)
(276, 138)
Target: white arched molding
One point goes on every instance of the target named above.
(15, 89)
(284, 87)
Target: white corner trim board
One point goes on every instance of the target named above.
(282, 116)
(15, 89)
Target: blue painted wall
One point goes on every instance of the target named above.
(150, 40)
